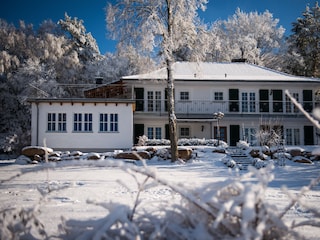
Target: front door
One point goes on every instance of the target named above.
(308, 135)
(138, 131)
(234, 134)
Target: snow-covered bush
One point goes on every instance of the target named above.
(144, 141)
(21, 224)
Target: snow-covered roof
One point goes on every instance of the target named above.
(220, 71)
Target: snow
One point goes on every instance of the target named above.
(220, 71)
(88, 195)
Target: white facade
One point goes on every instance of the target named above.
(251, 98)
(82, 124)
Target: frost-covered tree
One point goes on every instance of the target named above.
(164, 26)
(85, 44)
(51, 61)
(253, 36)
(305, 42)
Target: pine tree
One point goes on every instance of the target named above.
(305, 41)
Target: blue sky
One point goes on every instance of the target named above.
(93, 13)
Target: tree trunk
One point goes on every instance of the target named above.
(171, 114)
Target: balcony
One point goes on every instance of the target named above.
(203, 107)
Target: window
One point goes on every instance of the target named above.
(290, 107)
(250, 135)
(150, 101)
(154, 133)
(77, 122)
(51, 122)
(108, 122)
(88, 122)
(248, 103)
(218, 96)
(113, 122)
(184, 96)
(184, 132)
(82, 122)
(57, 122)
(154, 101)
(103, 126)
(292, 136)
(150, 132)
(62, 122)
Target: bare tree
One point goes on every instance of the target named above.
(165, 26)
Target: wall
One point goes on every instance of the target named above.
(71, 140)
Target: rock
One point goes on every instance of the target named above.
(219, 150)
(55, 154)
(255, 153)
(30, 151)
(93, 156)
(54, 159)
(76, 153)
(133, 155)
(23, 160)
(37, 158)
(302, 160)
(295, 152)
(185, 153)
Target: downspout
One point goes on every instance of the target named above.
(37, 128)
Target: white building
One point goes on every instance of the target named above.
(82, 124)
(251, 98)
(115, 115)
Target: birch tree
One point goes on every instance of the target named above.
(162, 26)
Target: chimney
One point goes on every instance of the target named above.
(99, 80)
(239, 60)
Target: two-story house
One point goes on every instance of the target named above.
(115, 115)
(250, 97)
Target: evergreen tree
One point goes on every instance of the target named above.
(305, 41)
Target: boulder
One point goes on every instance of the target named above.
(219, 150)
(133, 155)
(302, 160)
(23, 160)
(295, 152)
(93, 156)
(185, 153)
(31, 151)
(37, 158)
(76, 153)
(255, 153)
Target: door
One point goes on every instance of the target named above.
(139, 94)
(138, 131)
(308, 135)
(307, 100)
(234, 134)
(264, 100)
(233, 100)
(277, 101)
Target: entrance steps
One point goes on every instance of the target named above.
(240, 157)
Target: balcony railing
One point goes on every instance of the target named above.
(208, 107)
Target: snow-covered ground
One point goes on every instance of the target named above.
(73, 191)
